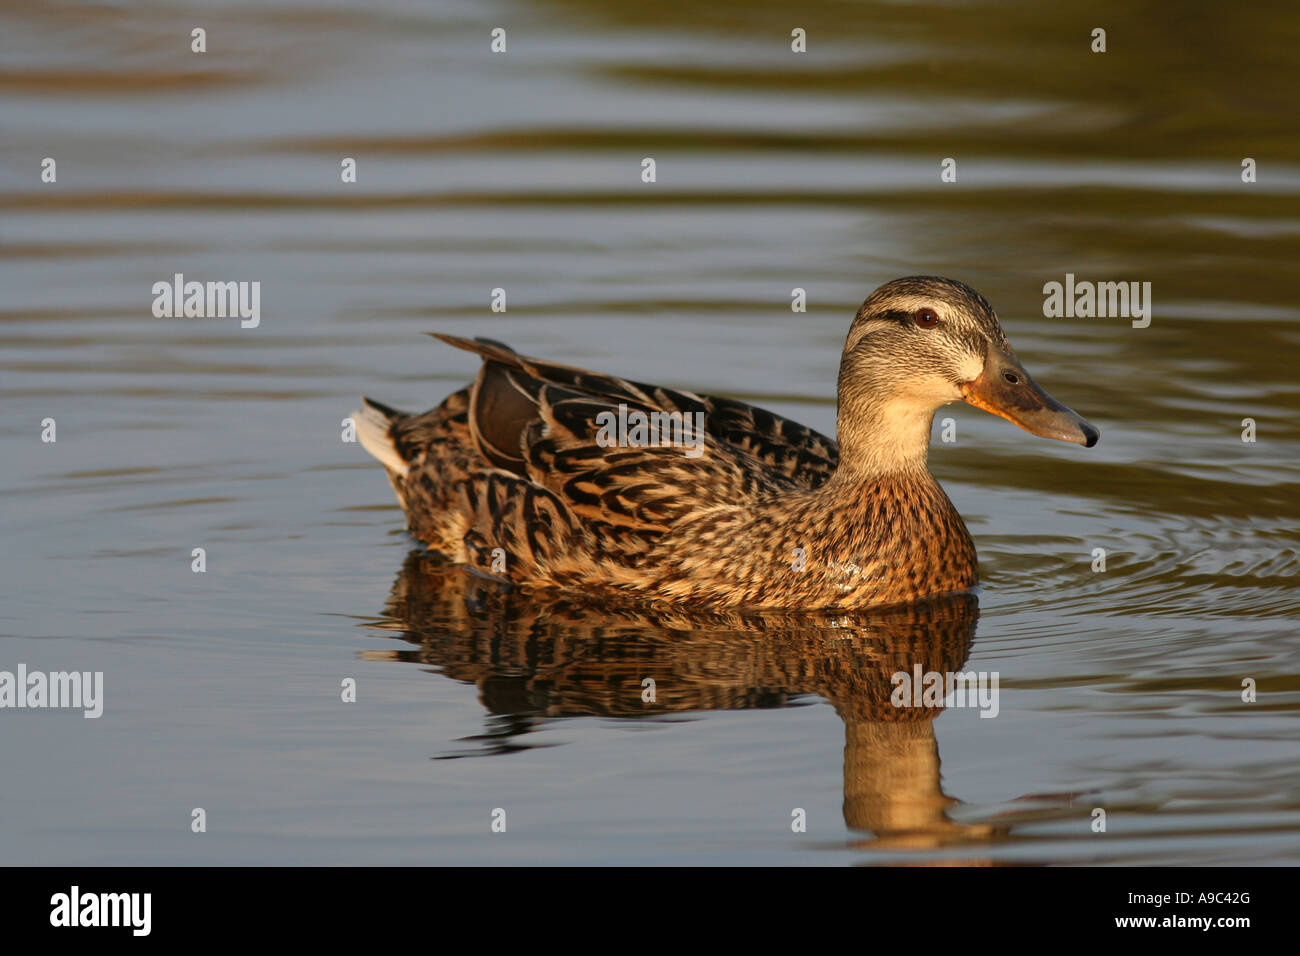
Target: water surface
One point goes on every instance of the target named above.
(1120, 689)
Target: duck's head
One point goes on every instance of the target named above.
(922, 342)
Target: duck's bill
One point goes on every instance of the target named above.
(1005, 389)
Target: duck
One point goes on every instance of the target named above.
(552, 478)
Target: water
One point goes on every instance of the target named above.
(1119, 690)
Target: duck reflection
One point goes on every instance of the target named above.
(535, 659)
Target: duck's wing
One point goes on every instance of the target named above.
(561, 446)
(517, 392)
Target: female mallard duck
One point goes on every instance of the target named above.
(549, 476)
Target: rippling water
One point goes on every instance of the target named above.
(1120, 689)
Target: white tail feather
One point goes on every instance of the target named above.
(372, 429)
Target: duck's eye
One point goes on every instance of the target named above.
(926, 318)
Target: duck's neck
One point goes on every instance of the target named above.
(883, 438)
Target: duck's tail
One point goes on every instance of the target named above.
(374, 422)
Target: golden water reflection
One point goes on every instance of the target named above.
(534, 659)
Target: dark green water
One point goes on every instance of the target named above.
(1120, 689)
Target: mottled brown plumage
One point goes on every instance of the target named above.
(515, 476)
